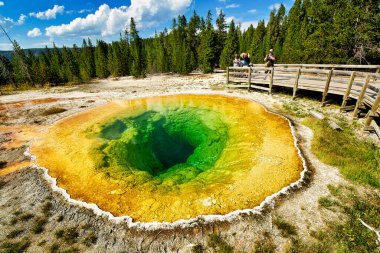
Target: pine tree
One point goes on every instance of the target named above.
(221, 35)
(180, 45)
(43, 68)
(176, 37)
(258, 49)
(292, 49)
(138, 68)
(5, 71)
(193, 39)
(101, 62)
(245, 42)
(115, 67)
(70, 66)
(206, 49)
(162, 57)
(56, 67)
(270, 35)
(86, 61)
(230, 48)
(20, 69)
(32, 62)
(124, 55)
(279, 32)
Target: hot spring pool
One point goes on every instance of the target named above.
(172, 157)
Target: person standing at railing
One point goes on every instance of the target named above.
(269, 61)
(237, 62)
(246, 59)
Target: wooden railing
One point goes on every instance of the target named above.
(358, 82)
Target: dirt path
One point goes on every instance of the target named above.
(28, 203)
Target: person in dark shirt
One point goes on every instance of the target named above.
(269, 61)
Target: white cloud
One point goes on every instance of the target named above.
(252, 11)
(21, 19)
(274, 6)
(84, 11)
(230, 6)
(9, 22)
(34, 33)
(246, 24)
(230, 18)
(243, 24)
(110, 21)
(49, 13)
(1, 3)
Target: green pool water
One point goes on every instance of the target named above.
(178, 144)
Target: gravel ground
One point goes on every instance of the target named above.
(46, 220)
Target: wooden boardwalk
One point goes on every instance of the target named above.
(353, 82)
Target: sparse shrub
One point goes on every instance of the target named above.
(59, 234)
(298, 246)
(319, 235)
(41, 243)
(295, 109)
(39, 225)
(90, 239)
(265, 245)
(217, 243)
(13, 221)
(17, 247)
(286, 229)
(15, 233)
(69, 236)
(335, 191)
(60, 218)
(327, 202)
(2, 183)
(85, 226)
(72, 250)
(197, 249)
(47, 207)
(26, 217)
(54, 248)
(17, 213)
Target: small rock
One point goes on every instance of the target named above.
(334, 125)
(317, 115)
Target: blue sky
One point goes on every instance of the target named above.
(40, 22)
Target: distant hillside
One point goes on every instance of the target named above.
(35, 51)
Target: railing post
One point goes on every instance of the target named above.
(373, 110)
(361, 96)
(271, 81)
(348, 91)
(228, 76)
(327, 86)
(249, 78)
(295, 87)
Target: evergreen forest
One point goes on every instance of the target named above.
(312, 31)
